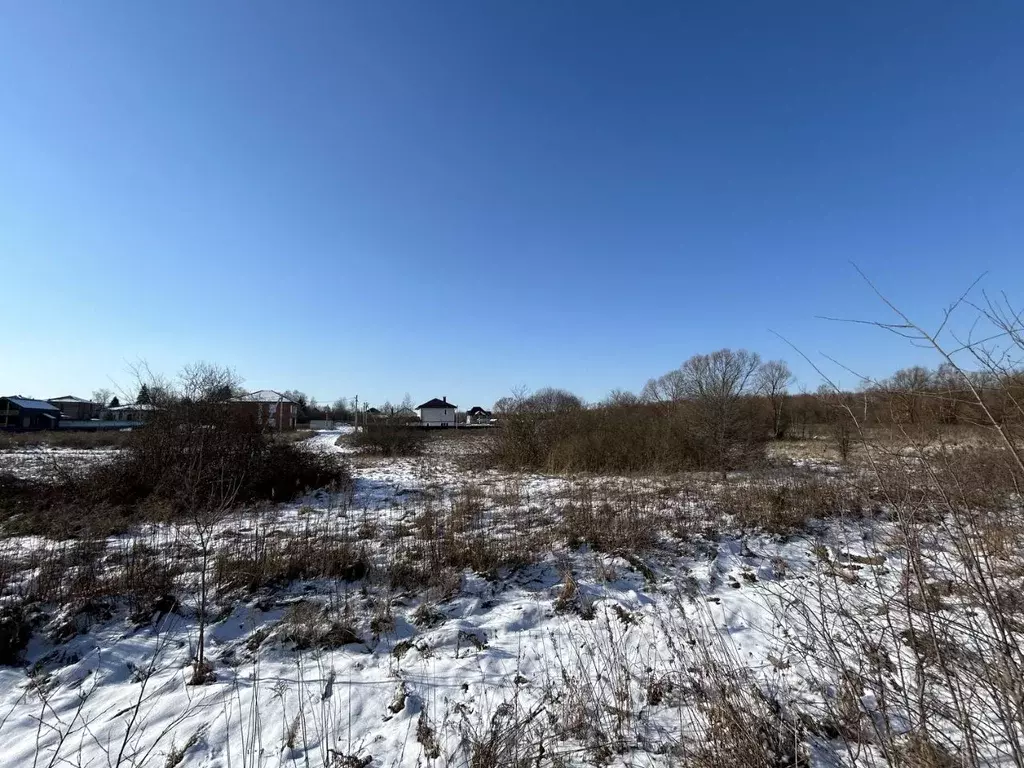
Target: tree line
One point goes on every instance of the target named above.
(718, 411)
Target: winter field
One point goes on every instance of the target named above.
(438, 612)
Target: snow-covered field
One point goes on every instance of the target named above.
(629, 645)
(44, 462)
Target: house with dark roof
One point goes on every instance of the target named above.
(406, 416)
(24, 413)
(437, 413)
(477, 415)
(269, 407)
(76, 408)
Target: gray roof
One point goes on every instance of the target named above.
(435, 403)
(262, 396)
(70, 399)
(32, 405)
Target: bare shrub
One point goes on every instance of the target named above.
(628, 439)
(840, 420)
(265, 559)
(15, 632)
(621, 520)
(511, 738)
(704, 415)
(83, 440)
(306, 625)
(957, 523)
(746, 727)
(221, 446)
(454, 534)
(571, 598)
(386, 437)
(69, 571)
(787, 500)
(20, 497)
(190, 455)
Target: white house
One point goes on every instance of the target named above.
(437, 413)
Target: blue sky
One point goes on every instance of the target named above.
(461, 197)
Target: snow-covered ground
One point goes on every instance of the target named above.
(572, 657)
(44, 462)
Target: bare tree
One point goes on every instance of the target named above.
(669, 388)
(544, 400)
(839, 417)
(907, 388)
(552, 400)
(621, 397)
(719, 378)
(512, 403)
(716, 385)
(953, 395)
(102, 396)
(773, 381)
(208, 382)
(148, 387)
(207, 483)
(341, 409)
(206, 514)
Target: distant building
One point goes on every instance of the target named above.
(76, 408)
(406, 416)
(269, 407)
(477, 415)
(24, 413)
(137, 412)
(437, 413)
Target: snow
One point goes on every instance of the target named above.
(41, 462)
(505, 647)
(494, 635)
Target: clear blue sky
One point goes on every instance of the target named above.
(460, 197)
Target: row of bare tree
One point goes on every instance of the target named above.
(729, 384)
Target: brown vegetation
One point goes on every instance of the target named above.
(190, 456)
(64, 439)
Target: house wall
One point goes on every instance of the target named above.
(438, 417)
(77, 410)
(128, 414)
(276, 415)
(16, 418)
(289, 415)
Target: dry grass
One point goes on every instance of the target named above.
(308, 625)
(954, 623)
(272, 559)
(785, 501)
